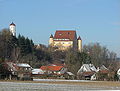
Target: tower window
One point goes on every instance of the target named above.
(60, 34)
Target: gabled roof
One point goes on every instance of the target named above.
(23, 65)
(12, 24)
(12, 66)
(51, 68)
(87, 68)
(103, 69)
(65, 34)
(15, 66)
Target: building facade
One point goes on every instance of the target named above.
(64, 39)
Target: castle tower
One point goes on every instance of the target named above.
(79, 44)
(12, 28)
(51, 40)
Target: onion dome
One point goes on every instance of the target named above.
(12, 24)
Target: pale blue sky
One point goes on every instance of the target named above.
(94, 20)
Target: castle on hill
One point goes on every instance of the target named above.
(64, 39)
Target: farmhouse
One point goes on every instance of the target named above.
(20, 71)
(55, 70)
(87, 71)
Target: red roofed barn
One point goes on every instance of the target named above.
(58, 70)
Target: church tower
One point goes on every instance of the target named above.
(12, 28)
(51, 40)
(79, 44)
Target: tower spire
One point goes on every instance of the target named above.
(79, 44)
(12, 28)
(51, 36)
(79, 38)
(51, 40)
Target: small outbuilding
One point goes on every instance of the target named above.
(54, 70)
(102, 73)
(37, 72)
(69, 75)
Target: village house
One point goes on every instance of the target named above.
(64, 39)
(102, 73)
(69, 75)
(18, 71)
(87, 71)
(53, 69)
(102, 69)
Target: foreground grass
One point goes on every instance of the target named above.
(92, 83)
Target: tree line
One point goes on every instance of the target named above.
(23, 49)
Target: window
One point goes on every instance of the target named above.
(60, 34)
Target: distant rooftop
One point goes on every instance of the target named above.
(65, 34)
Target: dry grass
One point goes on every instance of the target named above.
(92, 83)
(96, 83)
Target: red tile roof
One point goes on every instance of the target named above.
(104, 71)
(88, 73)
(61, 34)
(51, 68)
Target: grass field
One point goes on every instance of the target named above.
(58, 85)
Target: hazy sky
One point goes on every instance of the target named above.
(94, 20)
